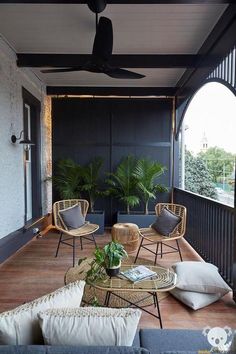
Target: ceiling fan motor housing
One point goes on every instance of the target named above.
(97, 6)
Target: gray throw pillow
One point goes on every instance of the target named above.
(72, 217)
(166, 222)
(201, 277)
(195, 300)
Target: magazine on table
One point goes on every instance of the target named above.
(138, 273)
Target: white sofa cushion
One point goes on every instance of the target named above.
(21, 327)
(89, 326)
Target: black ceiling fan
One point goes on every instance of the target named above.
(102, 52)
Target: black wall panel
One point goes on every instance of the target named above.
(113, 128)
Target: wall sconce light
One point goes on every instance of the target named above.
(25, 141)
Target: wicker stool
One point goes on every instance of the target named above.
(127, 234)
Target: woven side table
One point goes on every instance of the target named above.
(127, 234)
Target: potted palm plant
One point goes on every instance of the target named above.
(147, 172)
(67, 179)
(136, 180)
(91, 187)
(107, 259)
(122, 183)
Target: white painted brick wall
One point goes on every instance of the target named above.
(11, 122)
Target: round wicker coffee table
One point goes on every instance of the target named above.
(165, 280)
(125, 293)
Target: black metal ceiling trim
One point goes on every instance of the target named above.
(119, 2)
(111, 91)
(219, 42)
(117, 60)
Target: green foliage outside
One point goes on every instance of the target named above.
(219, 163)
(197, 177)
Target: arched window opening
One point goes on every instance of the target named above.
(208, 144)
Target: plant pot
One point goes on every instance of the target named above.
(97, 218)
(113, 271)
(142, 220)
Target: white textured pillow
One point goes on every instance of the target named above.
(200, 277)
(20, 326)
(193, 299)
(89, 326)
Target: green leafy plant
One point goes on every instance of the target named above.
(122, 183)
(67, 179)
(107, 257)
(90, 178)
(146, 173)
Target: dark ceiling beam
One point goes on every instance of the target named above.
(145, 2)
(111, 91)
(118, 60)
(220, 41)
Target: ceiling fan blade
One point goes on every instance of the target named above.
(117, 73)
(62, 70)
(103, 41)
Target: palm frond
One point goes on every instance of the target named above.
(67, 179)
(123, 182)
(147, 173)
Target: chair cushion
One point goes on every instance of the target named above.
(195, 300)
(72, 217)
(20, 326)
(89, 326)
(200, 277)
(166, 222)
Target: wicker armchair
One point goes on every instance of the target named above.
(150, 237)
(84, 232)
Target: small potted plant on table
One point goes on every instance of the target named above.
(107, 258)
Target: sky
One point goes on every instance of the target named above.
(212, 112)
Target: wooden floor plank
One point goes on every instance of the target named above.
(34, 271)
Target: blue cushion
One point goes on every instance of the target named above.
(136, 341)
(162, 340)
(188, 352)
(45, 349)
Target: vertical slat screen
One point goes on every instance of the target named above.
(226, 70)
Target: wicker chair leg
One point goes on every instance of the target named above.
(58, 246)
(94, 240)
(81, 243)
(155, 262)
(73, 251)
(161, 250)
(138, 250)
(180, 255)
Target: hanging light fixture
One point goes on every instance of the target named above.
(25, 141)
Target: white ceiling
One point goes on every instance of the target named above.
(138, 29)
